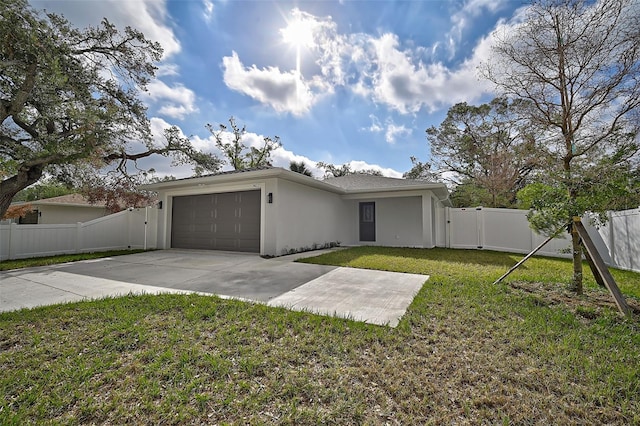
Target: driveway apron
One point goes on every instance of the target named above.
(373, 296)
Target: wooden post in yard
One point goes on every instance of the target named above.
(601, 268)
(524, 259)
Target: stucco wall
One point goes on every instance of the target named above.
(307, 216)
(68, 214)
(398, 221)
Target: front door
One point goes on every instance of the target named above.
(368, 221)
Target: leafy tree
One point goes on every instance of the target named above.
(468, 194)
(577, 64)
(331, 170)
(421, 171)
(488, 146)
(69, 99)
(300, 167)
(46, 188)
(238, 154)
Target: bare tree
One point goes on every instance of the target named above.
(577, 63)
(238, 154)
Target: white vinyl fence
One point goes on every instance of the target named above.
(128, 229)
(508, 230)
(468, 228)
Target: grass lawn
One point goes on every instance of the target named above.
(7, 265)
(466, 352)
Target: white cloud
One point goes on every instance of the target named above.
(362, 165)
(471, 10)
(208, 10)
(406, 85)
(177, 101)
(283, 91)
(167, 69)
(280, 157)
(149, 16)
(157, 126)
(375, 127)
(374, 67)
(391, 130)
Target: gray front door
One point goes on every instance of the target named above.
(368, 221)
(223, 221)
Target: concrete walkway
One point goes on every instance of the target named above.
(376, 297)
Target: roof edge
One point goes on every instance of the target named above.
(275, 172)
(279, 172)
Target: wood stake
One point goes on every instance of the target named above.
(535, 250)
(600, 267)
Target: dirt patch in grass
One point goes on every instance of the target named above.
(589, 305)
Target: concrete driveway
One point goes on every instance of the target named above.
(373, 296)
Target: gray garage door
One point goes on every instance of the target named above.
(225, 221)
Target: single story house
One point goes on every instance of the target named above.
(71, 208)
(273, 211)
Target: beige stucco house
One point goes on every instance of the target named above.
(274, 211)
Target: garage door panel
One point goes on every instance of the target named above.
(222, 221)
(252, 245)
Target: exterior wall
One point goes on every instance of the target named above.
(56, 214)
(305, 216)
(401, 221)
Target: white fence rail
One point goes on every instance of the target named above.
(508, 230)
(128, 229)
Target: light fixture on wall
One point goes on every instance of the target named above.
(270, 198)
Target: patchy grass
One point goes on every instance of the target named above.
(6, 265)
(479, 265)
(466, 352)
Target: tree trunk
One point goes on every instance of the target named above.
(576, 250)
(10, 187)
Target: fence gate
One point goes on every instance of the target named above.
(465, 228)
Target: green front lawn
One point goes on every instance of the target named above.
(466, 352)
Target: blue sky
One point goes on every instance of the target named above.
(342, 82)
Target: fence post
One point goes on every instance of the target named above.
(13, 240)
(480, 227)
(129, 226)
(78, 237)
(447, 227)
(612, 238)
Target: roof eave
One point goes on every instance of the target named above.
(236, 177)
(439, 188)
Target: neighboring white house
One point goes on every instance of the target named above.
(273, 211)
(71, 208)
